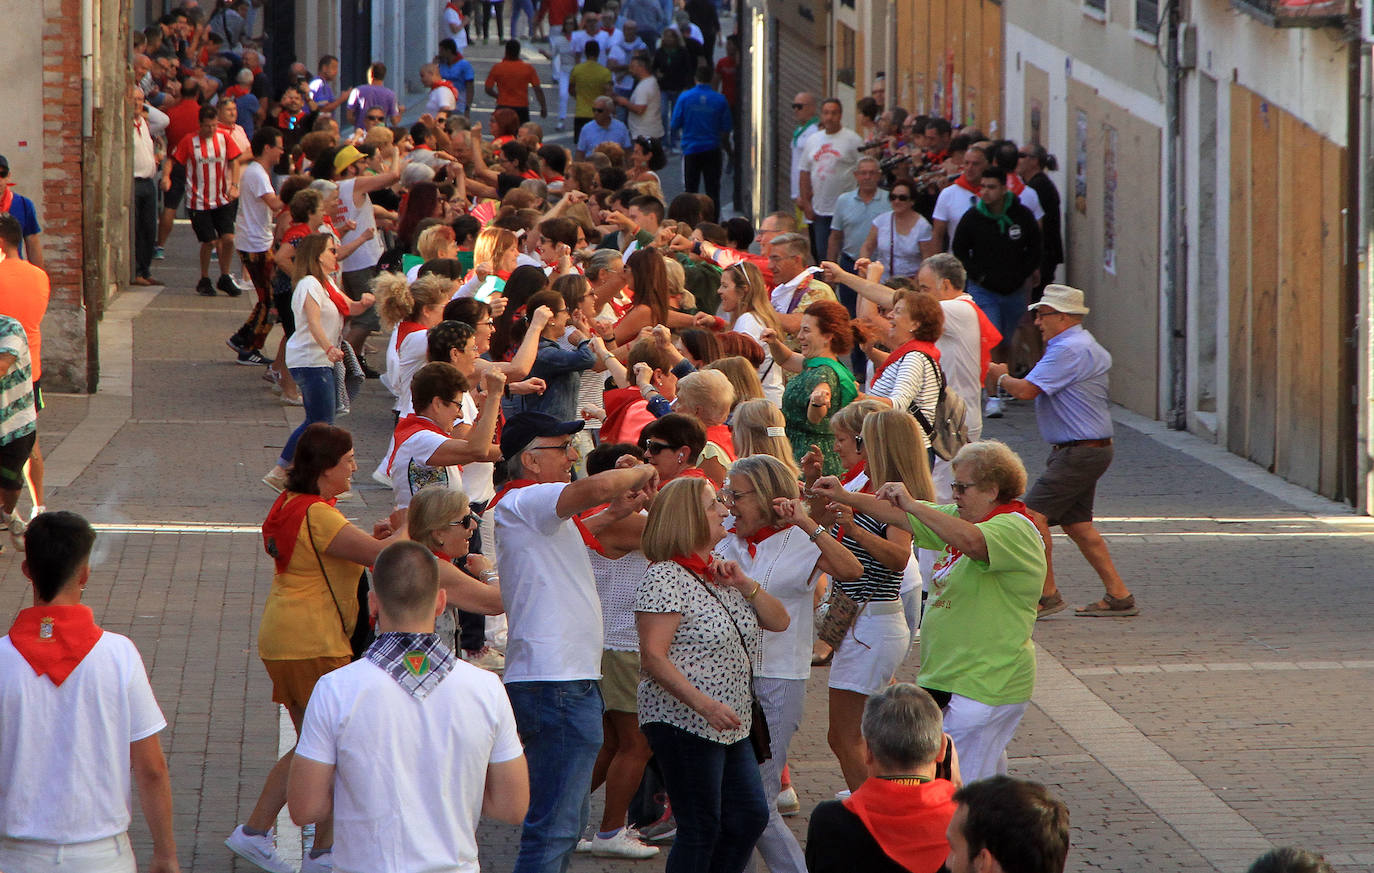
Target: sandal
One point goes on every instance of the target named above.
(1049, 605)
(1110, 607)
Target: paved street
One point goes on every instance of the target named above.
(1229, 716)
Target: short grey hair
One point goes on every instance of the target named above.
(903, 727)
(599, 260)
(325, 187)
(947, 267)
(415, 173)
(795, 242)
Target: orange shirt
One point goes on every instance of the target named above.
(513, 80)
(24, 297)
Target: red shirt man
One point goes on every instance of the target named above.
(510, 81)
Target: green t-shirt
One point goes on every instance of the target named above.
(976, 635)
(589, 80)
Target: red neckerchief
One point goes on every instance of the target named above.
(405, 329)
(757, 536)
(937, 157)
(906, 348)
(988, 338)
(340, 302)
(965, 184)
(531, 174)
(445, 83)
(554, 177)
(1013, 506)
(588, 538)
(908, 822)
(502, 140)
(284, 118)
(721, 436)
(444, 556)
(282, 526)
(696, 565)
(55, 639)
(689, 473)
(618, 402)
(503, 275)
(853, 472)
(7, 199)
(508, 488)
(407, 428)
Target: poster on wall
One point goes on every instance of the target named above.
(1080, 179)
(1109, 199)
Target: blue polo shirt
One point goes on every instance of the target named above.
(854, 218)
(460, 74)
(593, 135)
(702, 115)
(1072, 378)
(21, 208)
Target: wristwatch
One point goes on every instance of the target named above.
(820, 529)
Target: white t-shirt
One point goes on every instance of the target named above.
(454, 19)
(961, 357)
(770, 374)
(369, 253)
(798, 148)
(253, 226)
(410, 469)
(548, 589)
(401, 363)
(1031, 200)
(64, 749)
(301, 348)
(785, 565)
(477, 476)
(950, 206)
(440, 98)
(900, 254)
(647, 93)
(619, 56)
(830, 158)
(408, 774)
(616, 583)
(565, 57)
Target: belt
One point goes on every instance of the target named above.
(1092, 443)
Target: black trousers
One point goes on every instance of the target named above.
(492, 11)
(145, 225)
(707, 164)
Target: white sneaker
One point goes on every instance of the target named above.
(843, 794)
(15, 525)
(788, 802)
(487, 658)
(583, 847)
(322, 864)
(993, 408)
(275, 479)
(258, 849)
(624, 844)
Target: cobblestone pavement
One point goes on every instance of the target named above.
(1229, 716)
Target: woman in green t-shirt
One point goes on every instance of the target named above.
(977, 658)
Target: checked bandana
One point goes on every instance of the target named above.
(418, 662)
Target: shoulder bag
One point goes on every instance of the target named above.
(759, 736)
(363, 634)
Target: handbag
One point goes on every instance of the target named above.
(363, 633)
(760, 738)
(840, 614)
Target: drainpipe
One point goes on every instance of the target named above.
(1175, 246)
(1356, 480)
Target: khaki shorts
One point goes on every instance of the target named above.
(294, 680)
(619, 680)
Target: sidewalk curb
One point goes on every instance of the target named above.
(112, 405)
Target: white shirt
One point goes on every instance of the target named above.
(459, 36)
(830, 158)
(900, 253)
(547, 588)
(408, 774)
(402, 362)
(616, 583)
(798, 149)
(950, 206)
(441, 98)
(411, 471)
(64, 749)
(770, 374)
(369, 253)
(785, 565)
(1031, 200)
(620, 54)
(961, 357)
(477, 476)
(565, 57)
(646, 93)
(301, 348)
(781, 296)
(253, 226)
(145, 157)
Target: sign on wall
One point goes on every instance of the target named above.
(1109, 199)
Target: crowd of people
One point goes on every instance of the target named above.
(651, 463)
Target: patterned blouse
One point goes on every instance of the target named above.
(706, 648)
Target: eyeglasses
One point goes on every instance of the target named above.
(487, 323)
(600, 110)
(961, 487)
(653, 447)
(728, 496)
(899, 198)
(561, 447)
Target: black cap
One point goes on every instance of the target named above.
(4, 164)
(522, 429)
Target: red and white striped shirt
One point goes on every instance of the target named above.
(207, 168)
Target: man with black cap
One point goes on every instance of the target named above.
(553, 653)
(1069, 386)
(21, 207)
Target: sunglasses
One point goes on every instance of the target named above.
(653, 447)
(798, 105)
(599, 111)
(375, 117)
(901, 198)
(468, 521)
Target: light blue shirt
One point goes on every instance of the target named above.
(593, 135)
(855, 218)
(1072, 378)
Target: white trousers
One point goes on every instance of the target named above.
(109, 855)
(981, 733)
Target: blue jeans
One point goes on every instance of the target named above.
(1003, 310)
(560, 726)
(318, 396)
(717, 796)
(517, 7)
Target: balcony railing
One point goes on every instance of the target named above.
(1295, 13)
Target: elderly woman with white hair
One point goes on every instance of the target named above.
(708, 395)
(977, 659)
